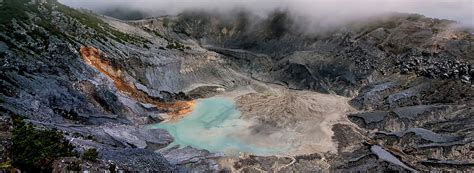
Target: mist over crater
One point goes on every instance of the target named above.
(326, 12)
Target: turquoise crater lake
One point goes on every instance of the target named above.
(215, 125)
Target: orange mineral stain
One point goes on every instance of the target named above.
(176, 110)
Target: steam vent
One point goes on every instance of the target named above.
(230, 86)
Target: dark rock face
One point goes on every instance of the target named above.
(421, 128)
(436, 67)
(410, 78)
(342, 60)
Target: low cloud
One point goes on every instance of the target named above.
(332, 11)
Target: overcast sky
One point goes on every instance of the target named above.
(459, 10)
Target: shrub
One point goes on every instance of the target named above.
(175, 45)
(13, 9)
(35, 150)
(112, 168)
(90, 154)
(6, 166)
(74, 166)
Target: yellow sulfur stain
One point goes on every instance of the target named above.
(176, 110)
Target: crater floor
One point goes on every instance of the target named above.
(285, 122)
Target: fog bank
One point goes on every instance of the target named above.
(331, 11)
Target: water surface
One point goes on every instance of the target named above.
(215, 125)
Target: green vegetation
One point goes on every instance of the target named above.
(390, 23)
(159, 35)
(468, 37)
(175, 45)
(414, 17)
(74, 166)
(155, 32)
(35, 150)
(166, 22)
(90, 154)
(13, 9)
(102, 28)
(71, 114)
(6, 165)
(18, 9)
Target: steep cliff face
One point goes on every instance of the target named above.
(93, 58)
(330, 60)
(89, 94)
(99, 80)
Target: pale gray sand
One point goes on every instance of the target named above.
(302, 119)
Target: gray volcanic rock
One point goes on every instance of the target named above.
(428, 135)
(386, 156)
(139, 159)
(117, 135)
(139, 138)
(409, 76)
(194, 159)
(125, 146)
(425, 134)
(371, 117)
(412, 112)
